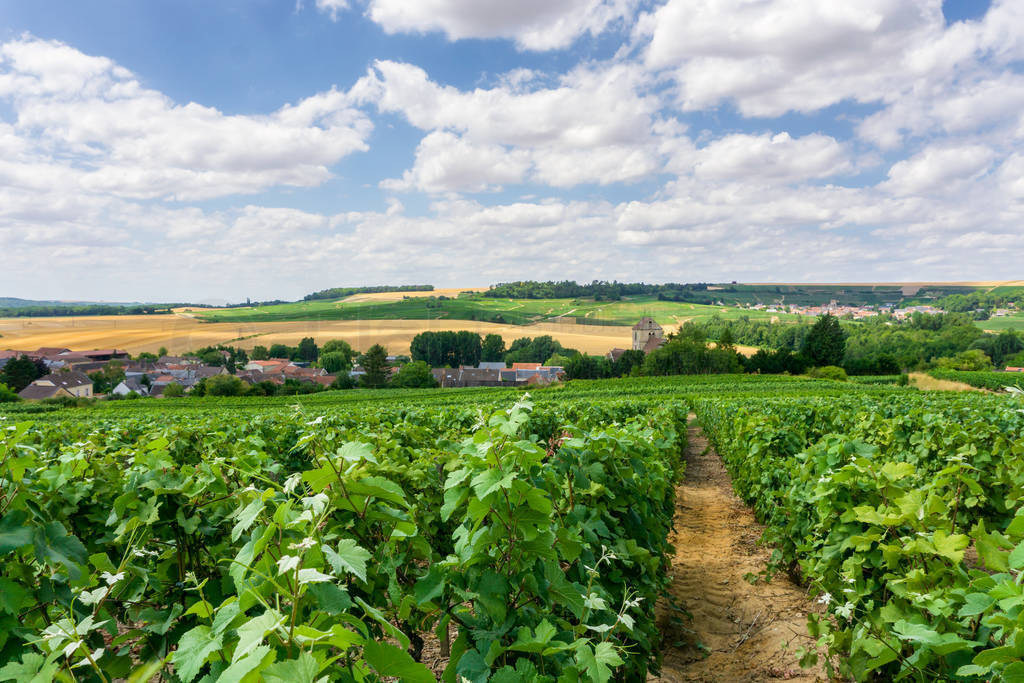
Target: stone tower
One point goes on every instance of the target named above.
(646, 330)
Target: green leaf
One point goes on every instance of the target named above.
(240, 668)
(225, 614)
(493, 595)
(430, 586)
(54, 545)
(252, 632)
(1014, 673)
(949, 546)
(14, 532)
(473, 667)
(587, 660)
(1016, 559)
(388, 660)
(246, 518)
(330, 597)
(193, 649)
(32, 668)
(381, 619)
(607, 654)
(489, 481)
(378, 487)
(301, 670)
(356, 451)
(348, 557)
(11, 596)
(975, 603)
(941, 644)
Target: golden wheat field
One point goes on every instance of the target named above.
(180, 333)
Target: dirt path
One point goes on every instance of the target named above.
(738, 631)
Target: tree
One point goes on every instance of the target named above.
(335, 362)
(162, 352)
(224, 385)
(975, 359)
(375, 363)
(308, 350)
(414, 375)
(212, 358)
(20, 372)
(280, 351)
(174, 390)
(630, 359)
(338, 346)
(556, 361)
(343, 381)
(146, 356)
(726, 339)
(260, 353)
(492, 349)
(825, 344)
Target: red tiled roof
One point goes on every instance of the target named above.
(51, 350)
(526, 366)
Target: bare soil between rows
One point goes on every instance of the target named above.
(734, 630)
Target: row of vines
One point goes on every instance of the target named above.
(319, 542)
(905, 513)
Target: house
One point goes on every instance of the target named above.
(72, 384)
(645, 332)
(615, 354)
(128, 386)
(274, 365)
(491, 365)
(48, 351)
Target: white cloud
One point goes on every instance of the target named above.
(332, 7)
(773, 56)
(594, 126)
(772, 159)
(448, 163)
(938, 170)
(533, 24)
(123, 139)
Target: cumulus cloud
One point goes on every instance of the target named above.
(446, 162)
(772, 159)
(532, 24)
(89, 117)
(939, 170)
(593, 126)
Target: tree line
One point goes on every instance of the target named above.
(453, 349)
(600, 290)
(342, 292)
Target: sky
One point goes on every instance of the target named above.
(187, 150)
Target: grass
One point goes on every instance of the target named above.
(508, 311)
(1008, 322)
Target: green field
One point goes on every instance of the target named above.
(1008, 322)
(512, 311)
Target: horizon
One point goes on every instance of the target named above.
(201, 152)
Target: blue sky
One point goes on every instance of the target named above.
(193, 150)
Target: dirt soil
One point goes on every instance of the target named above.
(735, 631)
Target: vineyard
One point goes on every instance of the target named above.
(492, 535)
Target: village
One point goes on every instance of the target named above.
(67, 373)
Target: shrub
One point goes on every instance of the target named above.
(829, 372)
(7, 395)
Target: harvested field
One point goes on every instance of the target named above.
(181, 332)
(929, 383)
